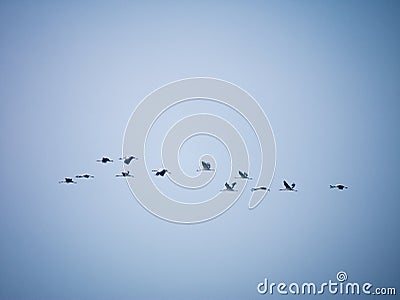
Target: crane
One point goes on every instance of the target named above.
(229, 187)
(288, 187)
(104, 160)
(67, 180)
(127, 159)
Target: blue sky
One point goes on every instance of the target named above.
(325, 73)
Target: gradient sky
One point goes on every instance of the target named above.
(71, 73)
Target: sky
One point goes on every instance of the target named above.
(326, 75)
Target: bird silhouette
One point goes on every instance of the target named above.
(161, 172)
(124, 174)
(127, 159)
(84, 176)
(229, 187)
(205, 166)
(288, 187)
(244, 175)
(104, 160)
(67, 180)
(338, 186)
(258, 188)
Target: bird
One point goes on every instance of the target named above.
(206, 166)
(84, 176)
(258, 188)
(124, 174)
(67, 180)
(161, 171)
(229, 187)
(338, 186)
(104, 160)
(127, 159)
(244, 175)
(288, 187)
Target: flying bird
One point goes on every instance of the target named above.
(104, 160)
(288, 187)
(161, 171)
(206, 166)
(260, 188)
(244, 175)
(67, 180)
(127, 159)
(84, 176)
(229, 187)
(124, 174)
(338, 186)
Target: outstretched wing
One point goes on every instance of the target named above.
(233, 185)
(286, 185)
(228, 187)
(206, 165)
(242, 174)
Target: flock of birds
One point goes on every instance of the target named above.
(205, 166)
(127, 160)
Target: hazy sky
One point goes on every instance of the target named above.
(325, 73)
